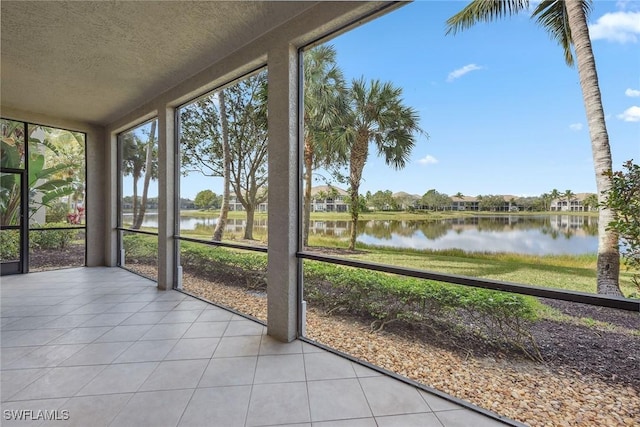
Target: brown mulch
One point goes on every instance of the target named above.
(51, 259)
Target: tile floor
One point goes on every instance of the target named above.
(104, 347)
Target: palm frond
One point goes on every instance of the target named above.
(552, 16)
(483, 11)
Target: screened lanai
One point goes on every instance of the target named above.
(179, 106)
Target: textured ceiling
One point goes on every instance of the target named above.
(94, 61)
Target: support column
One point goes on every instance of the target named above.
(282, 275)
(166, 199)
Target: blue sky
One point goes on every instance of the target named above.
(503, 111)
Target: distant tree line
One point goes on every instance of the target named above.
(433, 200)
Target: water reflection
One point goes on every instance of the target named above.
(536, 235)
(540, 235)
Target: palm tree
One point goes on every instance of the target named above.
(568, 195)
(566, 22)
(324, 106)
(555, 195)
(546, 201)
(378, 115)
(590, 202)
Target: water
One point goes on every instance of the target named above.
(533, 235)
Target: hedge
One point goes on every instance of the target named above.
(496, 316)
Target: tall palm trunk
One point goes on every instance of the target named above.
(308, 170)
(226, 156)
(147, 177)
(357, 160)
(608, 264)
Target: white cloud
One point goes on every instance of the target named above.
(632, 92)
(428, 160)
(456, 74)
(621, 27)
(631, 114)
(575, 126)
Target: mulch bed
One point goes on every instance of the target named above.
(51, 259)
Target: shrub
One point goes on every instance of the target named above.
(140, 246)
(51, 239)
(496, 316)
(624, 199)
(9, 245)
(232, 267)
(57, 212)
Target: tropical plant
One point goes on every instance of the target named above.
(69, 149)
(624, 199)
(45, 181)
(566, 22)
(377, 115)
(324, 106)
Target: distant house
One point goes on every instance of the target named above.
(576, 204)
(235, 205)
(326, 198)
(464, 203)
(470, 203)
(187, 204)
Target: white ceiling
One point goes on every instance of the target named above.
(94, 61)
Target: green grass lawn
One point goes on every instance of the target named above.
(555, 271)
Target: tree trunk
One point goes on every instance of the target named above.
(357, 160)
(135, 199)
(226, 154)
(608, 264)
(248, 228)
(308, 165)
(148, 165)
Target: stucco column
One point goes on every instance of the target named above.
(111, 197)
(166, 199)
(282, 275)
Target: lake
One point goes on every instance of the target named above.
(534, 235)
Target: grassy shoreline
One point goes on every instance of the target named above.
(387, 215)
(569, 272)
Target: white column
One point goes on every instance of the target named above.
(166, 200)
(282, 276)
